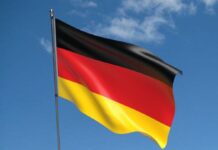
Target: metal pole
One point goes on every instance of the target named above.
(54, 46)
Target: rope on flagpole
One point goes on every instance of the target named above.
(54, 46)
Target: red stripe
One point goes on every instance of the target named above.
(138, 91)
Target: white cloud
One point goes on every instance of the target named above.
(77, 13)
(159, 5)
(141, 20)
(192, 8)
(120, 26)
(90, 4)
(46, 44)
(132, 29)
(210, 5)
(157, 13)
(84, 3)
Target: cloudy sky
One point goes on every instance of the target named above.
(183, 33)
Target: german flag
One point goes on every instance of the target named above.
(122, 86)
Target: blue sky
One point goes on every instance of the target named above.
(184, 33)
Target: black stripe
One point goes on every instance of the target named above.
(114, 52)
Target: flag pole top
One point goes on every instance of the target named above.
(51, 13)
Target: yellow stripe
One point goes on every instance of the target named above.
(115, 116)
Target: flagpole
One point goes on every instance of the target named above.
(54, 46)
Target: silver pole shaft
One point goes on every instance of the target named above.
(54, 46)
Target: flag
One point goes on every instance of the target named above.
(122, 86)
